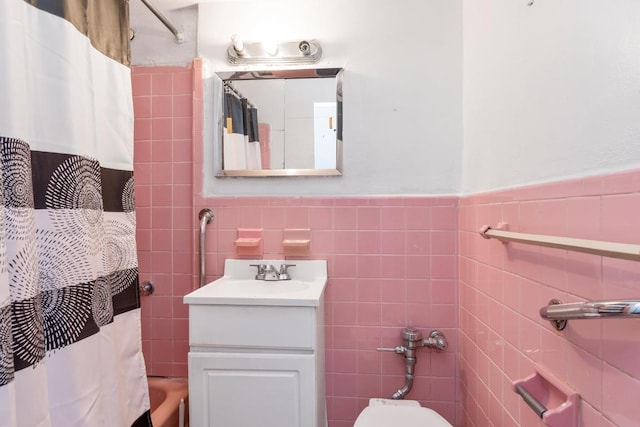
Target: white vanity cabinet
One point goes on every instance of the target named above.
(257, 359)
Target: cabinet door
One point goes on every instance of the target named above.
(252, 389)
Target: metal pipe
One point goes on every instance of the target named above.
(411, 341)
(436, 340)
(231, 89)
(410, 361)
(205, 216)
(179, 35)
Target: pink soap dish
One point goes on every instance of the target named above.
(296, 243)
(555, 403)
(247, 242)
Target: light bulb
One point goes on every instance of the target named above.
(270, 47)
(238, 45)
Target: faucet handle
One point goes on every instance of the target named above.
(284, 273)
(261, 270)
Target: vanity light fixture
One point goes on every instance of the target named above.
(266, 53)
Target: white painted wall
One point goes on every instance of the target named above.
(402, 89)
(551, 91)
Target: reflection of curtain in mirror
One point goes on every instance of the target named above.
(233, 139)
(252, 137)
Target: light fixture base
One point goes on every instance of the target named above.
(287, 53)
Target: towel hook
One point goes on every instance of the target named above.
(530, 3)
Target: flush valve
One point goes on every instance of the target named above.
(436, 340)
(411, 341)
(399, 349)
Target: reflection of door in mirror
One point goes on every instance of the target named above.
(301, 95)
(288, 107)
(324, 131)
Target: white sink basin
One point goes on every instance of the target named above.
(239, 287)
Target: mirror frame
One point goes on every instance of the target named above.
(224, 76)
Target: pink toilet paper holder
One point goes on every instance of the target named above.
(555, 403)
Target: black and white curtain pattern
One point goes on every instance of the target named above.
(233, 138)
(70, 345)
(241, 145)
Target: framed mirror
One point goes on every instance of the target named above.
(279, 122)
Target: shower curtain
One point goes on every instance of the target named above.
(241, 146)
(70, 346)
(252, 139)
(233, 144)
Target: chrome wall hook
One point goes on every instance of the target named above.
(146, 288)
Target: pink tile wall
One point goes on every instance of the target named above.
(389, 267)
(502, 287)
(392, 261)
(163, 151)
(395, 262)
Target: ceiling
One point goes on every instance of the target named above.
(154, 44)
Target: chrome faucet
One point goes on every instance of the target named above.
(270, 273)
(283, 274)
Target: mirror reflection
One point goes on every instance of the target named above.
(281, 122)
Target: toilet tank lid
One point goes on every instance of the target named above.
(406, 416)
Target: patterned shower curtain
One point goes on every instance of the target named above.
(70, 347)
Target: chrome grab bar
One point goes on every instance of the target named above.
(205, 216)
(595, 247)
(559, 313)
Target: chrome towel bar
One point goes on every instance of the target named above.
(558, 313)
(595, 247)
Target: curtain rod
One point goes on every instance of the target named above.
(179, 35)
(237, 93)
(594, 247)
